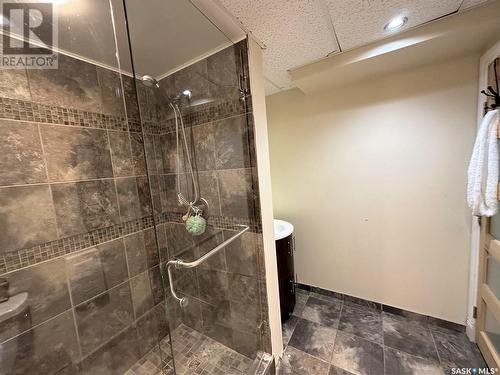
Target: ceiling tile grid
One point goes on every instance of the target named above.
(472, 3)
(295, 33)
(299, 32)
(359, 22)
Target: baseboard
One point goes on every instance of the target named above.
(385, 308)
(470, 328)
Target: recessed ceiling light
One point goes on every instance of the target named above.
(396, 23)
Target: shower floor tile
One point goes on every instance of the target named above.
(369, 341)
(151, 364)
(194, 353)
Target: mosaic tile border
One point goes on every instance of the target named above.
(15, 260)
(216, 221)
(206, 113)
(22, 110)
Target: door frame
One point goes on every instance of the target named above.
(489, 246)
(484, 62)
(481, 244)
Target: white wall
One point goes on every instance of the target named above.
(373, 177)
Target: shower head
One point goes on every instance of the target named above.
(150, 81)
(182, 97)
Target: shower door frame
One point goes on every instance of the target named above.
(489, 246)
(272, 328)
(164, 282)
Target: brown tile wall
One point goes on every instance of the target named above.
(227, 299)
(77, 239)
(76, 213)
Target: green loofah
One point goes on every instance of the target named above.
(196, 225)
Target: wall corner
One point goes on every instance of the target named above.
(265, 193)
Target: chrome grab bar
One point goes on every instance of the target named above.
(181, 264)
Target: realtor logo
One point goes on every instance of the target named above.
(29, 37)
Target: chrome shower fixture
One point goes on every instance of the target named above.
(150, 81)
(184, 95)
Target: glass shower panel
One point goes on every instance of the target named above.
(80, 289)
(195, 106)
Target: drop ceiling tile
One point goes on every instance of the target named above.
(295, 32)
(270, 88)
(276, 69)
(472, 3)
(359, 22)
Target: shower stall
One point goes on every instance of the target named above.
(129, 199)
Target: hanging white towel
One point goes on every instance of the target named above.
(482, 195)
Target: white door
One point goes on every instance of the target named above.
(488, 288)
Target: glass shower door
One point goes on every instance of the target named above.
(197, 124)
(80, 283)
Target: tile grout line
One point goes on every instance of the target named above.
(360, 306)
(413, 355)
(383, 338)
(215, 171)
(73, 310)
(71, 181)
(337, 332)
(113, 177)
(36, 326)
(435, 346)
(307, 320)
(52, 205)
(310, 355)
(129, 276)
(381, 345)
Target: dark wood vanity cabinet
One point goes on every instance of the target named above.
(286, 275)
